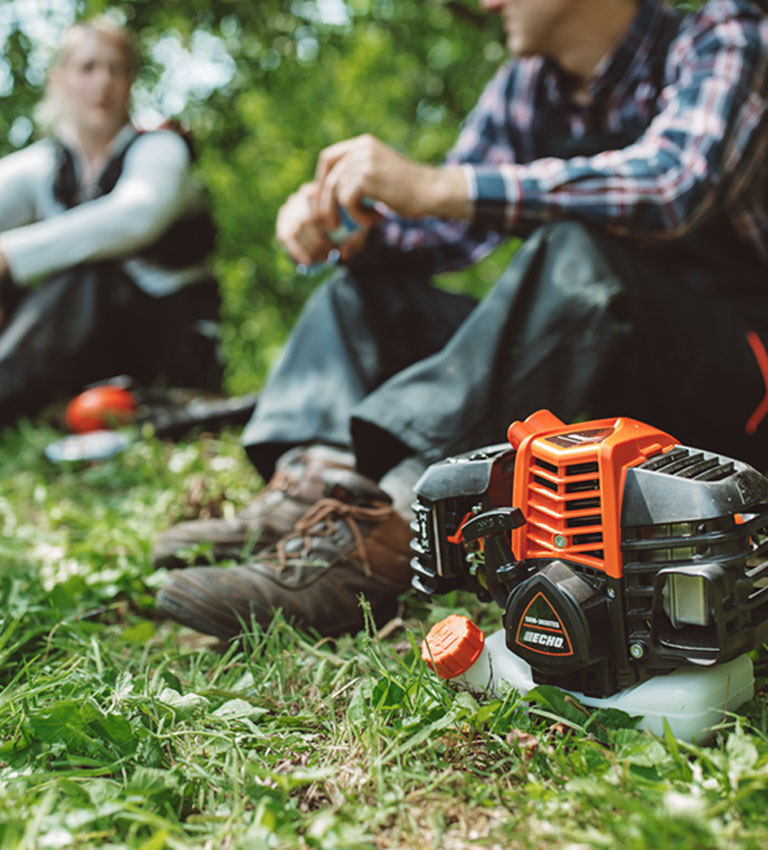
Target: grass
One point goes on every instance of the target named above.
(118, 729)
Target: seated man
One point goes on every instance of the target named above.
(627, 142)
(103, 240)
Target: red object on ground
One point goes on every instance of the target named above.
(106, 406)
(452, 646)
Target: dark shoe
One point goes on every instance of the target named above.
(350, 543)
(297, 484)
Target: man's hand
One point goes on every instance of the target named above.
(356, 171)
(299, 229)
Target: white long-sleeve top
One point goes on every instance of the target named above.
(40, 236)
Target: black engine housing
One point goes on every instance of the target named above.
(694, 583)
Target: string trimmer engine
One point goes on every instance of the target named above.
(615, 553)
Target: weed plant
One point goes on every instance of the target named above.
(118, 729)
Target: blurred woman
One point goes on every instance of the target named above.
(103, 240)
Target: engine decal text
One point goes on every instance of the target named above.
(541, 630)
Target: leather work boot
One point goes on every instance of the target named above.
(349, 543)
(296, 485)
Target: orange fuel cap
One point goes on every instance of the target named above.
(452, 646)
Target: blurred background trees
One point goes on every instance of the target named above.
(264, 85)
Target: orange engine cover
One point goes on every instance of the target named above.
(568, 482)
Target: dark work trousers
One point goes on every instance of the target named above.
(581, 324)
(93, 322)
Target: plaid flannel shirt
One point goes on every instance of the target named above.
(669, 147)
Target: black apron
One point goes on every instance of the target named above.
(92, 322)
(582, 324)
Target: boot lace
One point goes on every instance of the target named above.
(322, 519)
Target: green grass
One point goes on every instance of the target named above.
(118, 729)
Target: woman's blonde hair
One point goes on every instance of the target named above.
(48, 113)
(104, 26)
